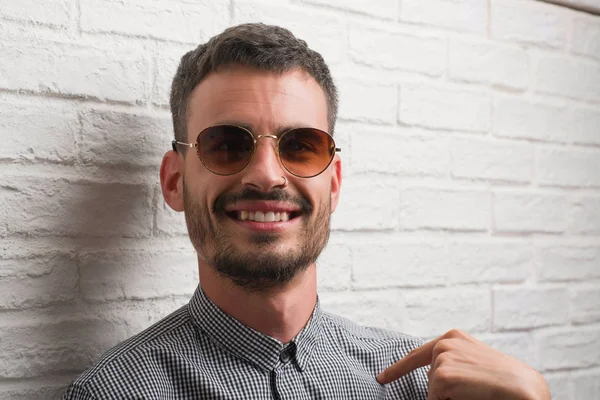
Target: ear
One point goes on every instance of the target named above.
(336, 181)
(171, 179)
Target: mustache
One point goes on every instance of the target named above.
(247, 194)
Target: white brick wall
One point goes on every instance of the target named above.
(471, 199)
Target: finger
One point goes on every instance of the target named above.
(417, 358)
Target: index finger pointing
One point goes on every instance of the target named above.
(419, 357)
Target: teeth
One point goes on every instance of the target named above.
(259, 216)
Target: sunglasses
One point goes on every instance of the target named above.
(228, 149)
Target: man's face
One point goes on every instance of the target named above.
(258, 255)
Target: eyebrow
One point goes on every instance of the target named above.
(278, 131)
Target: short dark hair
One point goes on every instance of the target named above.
(265, 47)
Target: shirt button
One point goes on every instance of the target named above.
(285, 356)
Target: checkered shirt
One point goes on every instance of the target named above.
(199, 352)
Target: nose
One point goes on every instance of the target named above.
(264, 172)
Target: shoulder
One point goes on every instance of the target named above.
(141, 358)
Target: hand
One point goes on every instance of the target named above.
(463, 368)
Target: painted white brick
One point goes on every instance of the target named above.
(488, 63)
(380, 8)
(180, 21)
(559, 384)
(357, 210)
(116, 73)
(334, 266)
(58, 285)
(461, 308)
(46, 205)
(526, 307)
(367, 102)
(569, 77)
(462, 15)
(382, 309)
(438, 208)
(398, 152)
(43, 131)
(137, 274)
(529, 212)
(572, 348)
(378, 263)
(112, 137)
(558, 262)
(444, 109)
(166, 63)
(323, 32)
(585, 216)
(169, 222)
(491, 160)
(568, 167)
(517, 345)
(31, 264)
(31, 391)
(55, 13)
(585, 304)
(397, 51)
(529, 22)
(520, 118)
(585, 37)
(587, 385)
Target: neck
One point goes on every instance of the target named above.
(280, 313)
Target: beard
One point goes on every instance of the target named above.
(264, 269)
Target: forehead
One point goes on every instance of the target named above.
(264, 101)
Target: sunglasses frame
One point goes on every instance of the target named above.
(174, 143)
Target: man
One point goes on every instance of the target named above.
(256, 171)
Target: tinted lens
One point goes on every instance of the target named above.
(306, 152)
(225, 149)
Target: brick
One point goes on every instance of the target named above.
(159, 19)
(398, 152)
(36, 350)
(382, 309)
(119, 74)
(48, 134)
(323, 32)
(169, 222)
(559, 385)
(33, 391)
(559, 262)
(528, 22)
(385, 49)
(439, 208)
(585, 304)
(56, 13)
(529, 212)
(585, 37)
(587, 385)
(488, 63)
(585, 216)
(462, 15)
(138, 274)
(520, 118)
(113, 137)
(569, 77)
(387, 9)
(357, 210)
(367, 102)
(167, 60)
(379, 263)
(42, 206)
(517, 345)
(334, 266)
(525, 307)
(466, 309)
(493, 160)
(58, 284)
(568, 167)
(440, 108)
(572, 348)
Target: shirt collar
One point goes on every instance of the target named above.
(249, 344)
